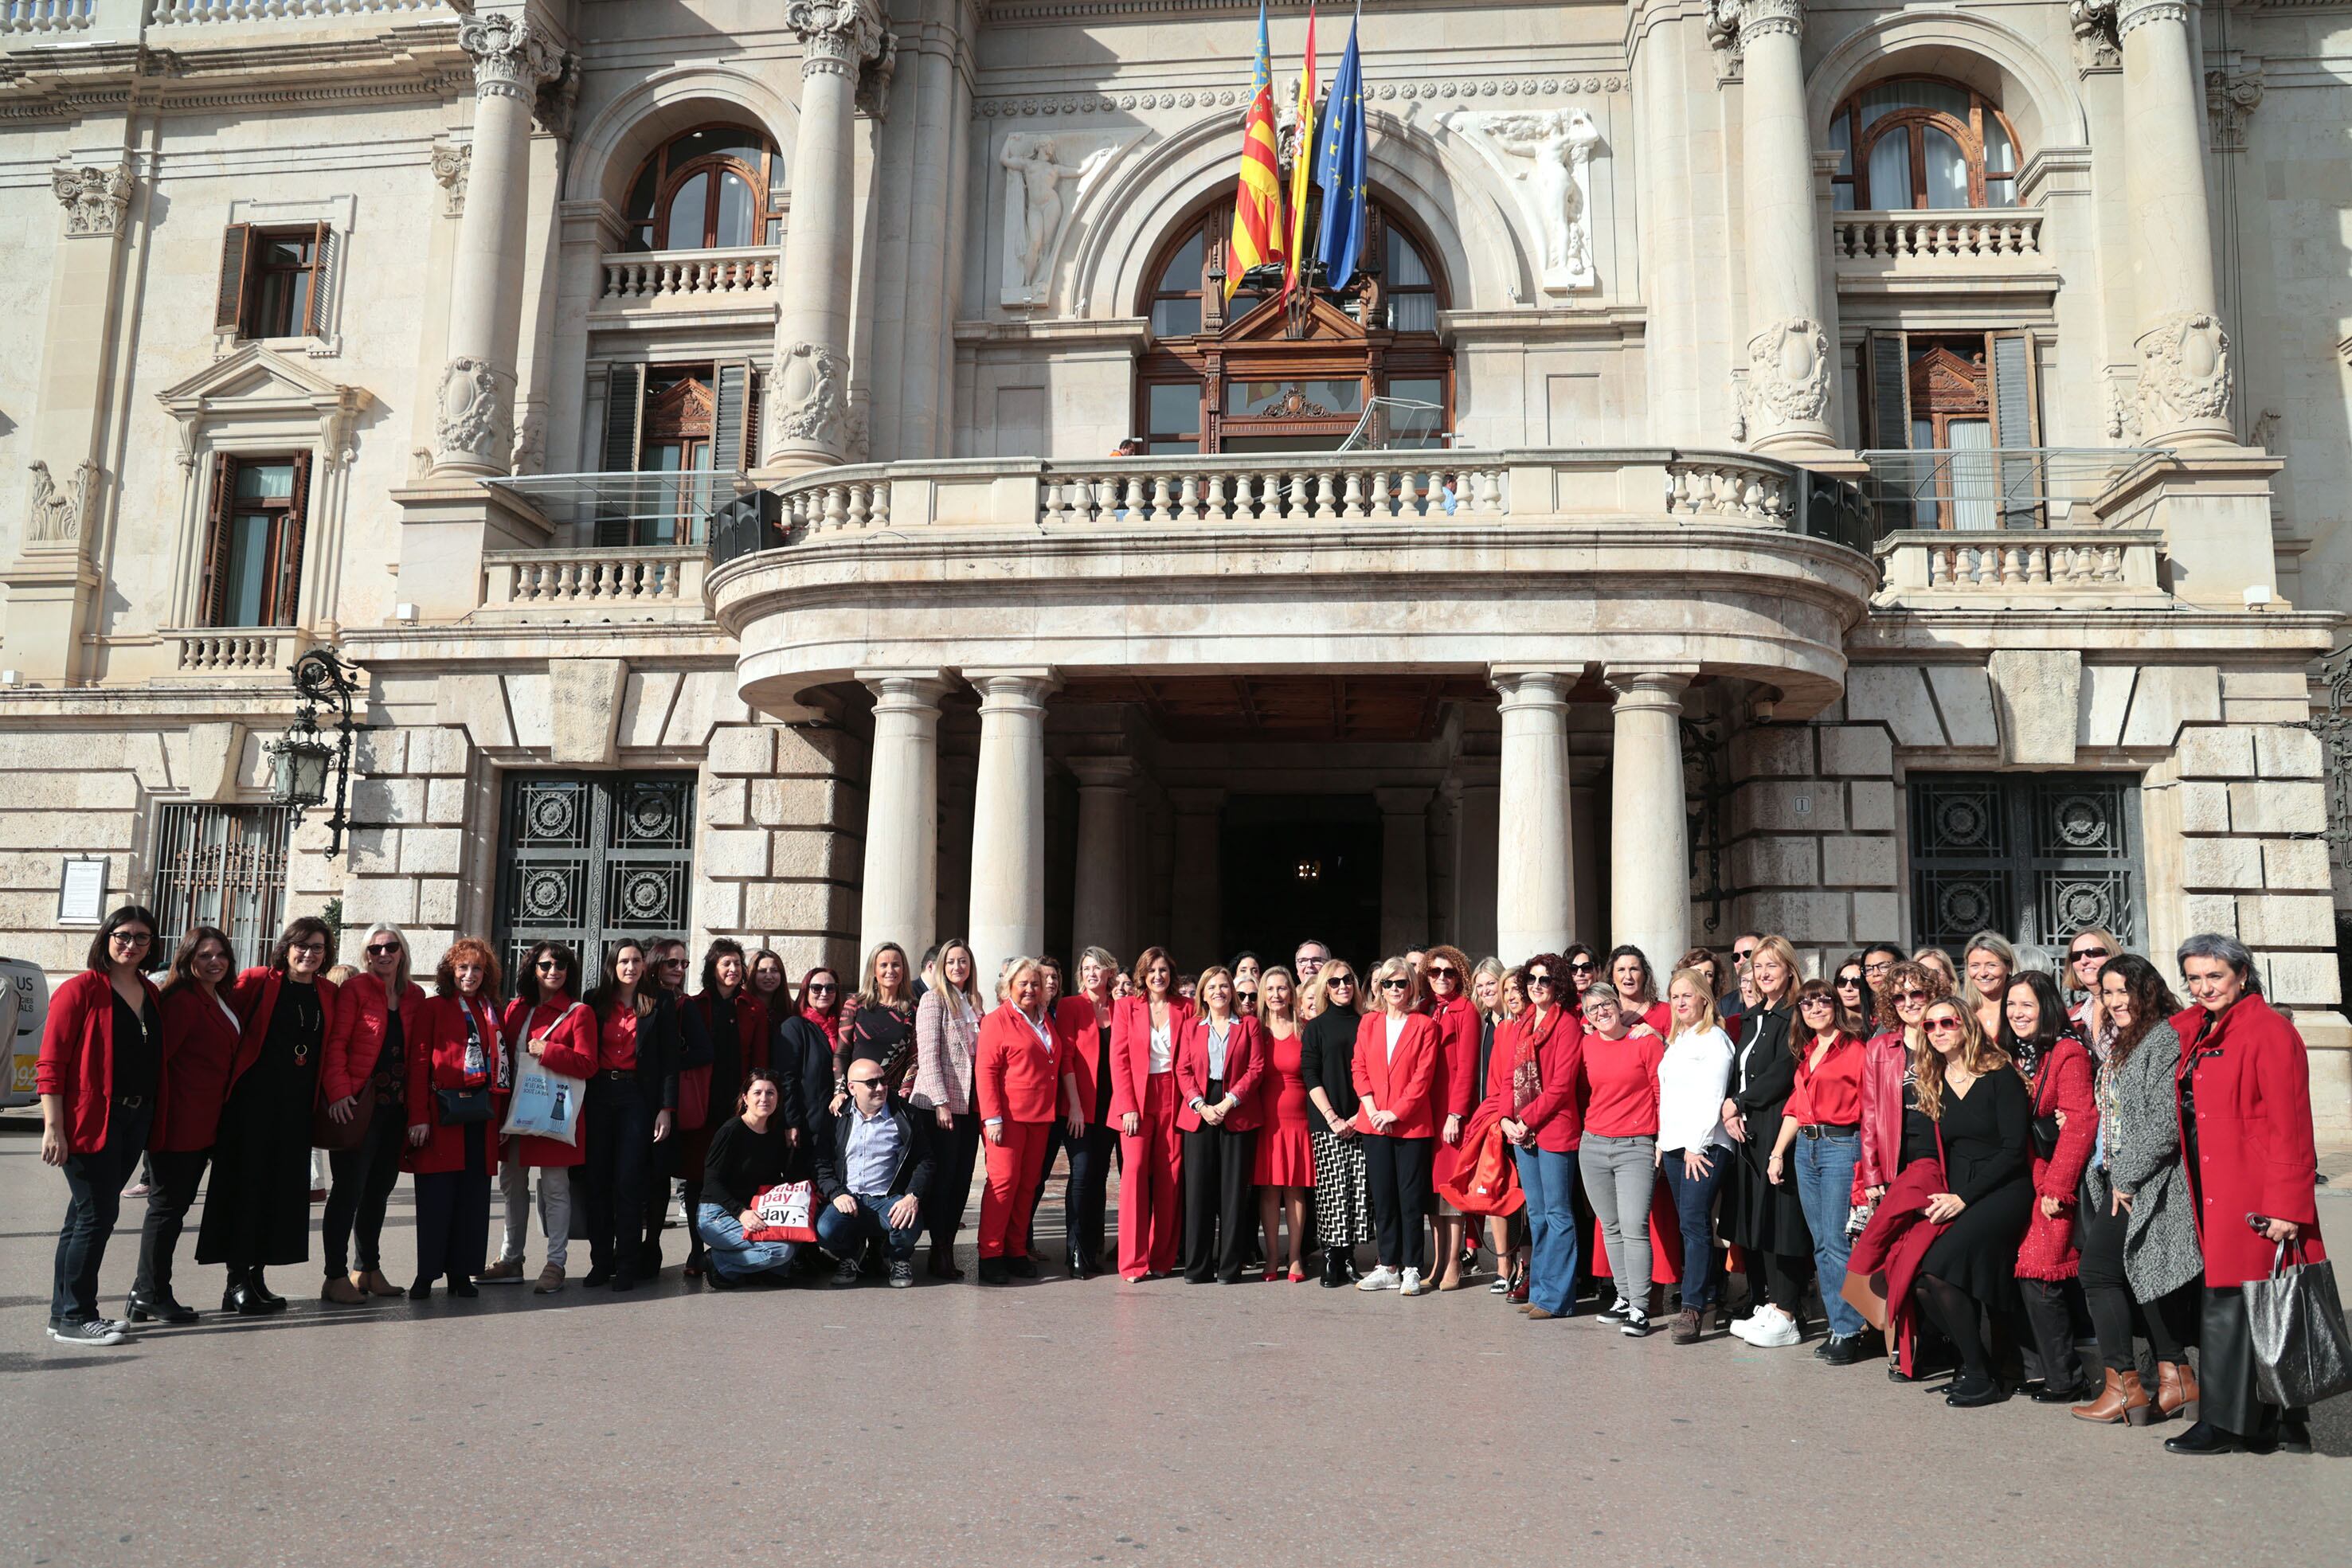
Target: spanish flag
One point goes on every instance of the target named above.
(1257, 201)
(1302, 168)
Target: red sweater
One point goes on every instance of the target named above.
(1623, 1076)
(1830, 1095)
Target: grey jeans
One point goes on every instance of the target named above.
(554, 1208)
(1618, 1175)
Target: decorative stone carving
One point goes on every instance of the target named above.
(451, 164)
(2229, 97)
(558, 102)
(530, 443)
(812, 396)
(1762, 18)
(1036, 210)
(1723, 38)
(1547, 157)
(55, 517)
(510, 58)
(2184, 372)
(874, 79)
(2264, 431)
(2096, 46)
(2134, 14)
(836, 36)
(94, 199)
(2118, 406)
(475, 421)
(1789, 371)
(1420, 89)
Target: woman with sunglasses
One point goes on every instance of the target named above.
(1637, 989)
(1855, 996)
(1445, 973)
(2087, 953)
(1823, 1121)
(101, 1077)
(456, 1098)
(1395, 1069)
(1762, 1218)
(200, 1036)
(1144, 1032)
(1693, 1151)
(362, 1078)
(547, 1022)
(2036, 1035)
(1982, 1113)
(1327, 1058)
(807, 1039)
(1535, 1083)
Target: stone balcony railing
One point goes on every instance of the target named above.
(592, 585)
(191, 12)
(46, 15)
(689, 278)
(1982, 242)
(2037, 569)
(213, 652)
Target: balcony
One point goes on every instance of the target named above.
(198, 13)
(1899, 251)
(591, 585)
(740, 280)
(215, 652)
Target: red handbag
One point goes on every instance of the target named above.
(787, 1212)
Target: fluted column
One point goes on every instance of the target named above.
(474, 430)
(1649, 836)
(902, 811)
(809, 424)
(1532, 861)
(1008, 820)
(2184, 353)
(1789, 364)
(1104, 895)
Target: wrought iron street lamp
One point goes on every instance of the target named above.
(301, 761)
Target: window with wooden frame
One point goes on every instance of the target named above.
(276, 282)
(717, 187)
(1917, 142)
(1964, 396)
(253, 545)
(686, 420)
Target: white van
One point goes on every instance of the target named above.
(24, 1007)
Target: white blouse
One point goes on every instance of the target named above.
(1692, 1077)
(1163, 1050)
(1396, 1032)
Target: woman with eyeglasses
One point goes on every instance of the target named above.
(1878, 961)
(361, 1079)
(257, 1203)
(1618, 1158)
(1989, 961)
(1144, 1031)
(1395, 1069)
(2035, 1033)
(547, 1022)
(101, 1077)
(2087, 953)
(1822, 1122)
(947, 1034)
(1764, 1219)
(1327, 1066)
(1218, 1061)
(1637, 989)
(1982, 1113)
(1445, 977)
(631, 1104)
(1535, 1081)
(456, 1098)
(1693, 1151)
(200, 1038)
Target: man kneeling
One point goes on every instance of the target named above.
(873, 1173)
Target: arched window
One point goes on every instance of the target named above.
(716, 187)
(1917, 142)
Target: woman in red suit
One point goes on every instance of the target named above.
(1284, 1165)
(2246, 1144)
(1395, 1074)
(1446, 972)
(362, 1076)
(1144, 1029)
(458, 1085)
(2039, 1039)
(1019, 1071)
(100, 1077)
(735, 1020)
(258, 1204)
(200, 1031)
(546, 1020)
(1217, 1066)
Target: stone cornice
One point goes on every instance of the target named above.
(413, 60)
(1457, 90)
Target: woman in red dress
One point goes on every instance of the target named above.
(1446, 972)
(1284, 1165)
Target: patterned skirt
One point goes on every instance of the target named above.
(1343, 1212)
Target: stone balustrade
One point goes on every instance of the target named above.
(640, 277)
(1730, 488)
(46, 15)
(212, 653)
(1999, 235)
(191, 12)
(1997, 568)
(664, 583)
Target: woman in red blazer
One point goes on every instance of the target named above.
(2035, 1032)
(362, 1078)
(100, 1077)
(457, 1084)
(1144, 1029)
(2246, 1144)
(200, 1034)
(1447, 973)
(547, 1021)
(735, 1020)
(1082, 1023)
(1019, 1071)
(1218, 1060)
(258, 1204)
(1533, 1081)
(1395, 1073)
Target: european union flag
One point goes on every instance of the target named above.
(1340, 170)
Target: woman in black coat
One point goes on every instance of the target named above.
(1762, 1218)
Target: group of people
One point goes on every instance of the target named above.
(1963, 1163)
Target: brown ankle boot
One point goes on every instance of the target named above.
(2175, 1386)
(2122, 1399)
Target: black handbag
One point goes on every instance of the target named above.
(2045, 1136)
(460, 1107)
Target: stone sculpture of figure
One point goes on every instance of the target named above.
(1554, 142)
(54, 516)
(1033, 160)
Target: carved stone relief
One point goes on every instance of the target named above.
(1038, 208)
(1789, 370)
(451, 164)
(475, 421)
(94, 199)
(813, 397)
(55, 517)
(2096, 47)
(2184, 372)
(1547, 154)
(510, 58)
(2229, 97)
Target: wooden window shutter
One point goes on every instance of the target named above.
(213, 593)
(754, 399)
(286, 595)
(731, 390)
(322, 281)
(624, 418)
(1890, 391)
(236, 248)
(2012, 390)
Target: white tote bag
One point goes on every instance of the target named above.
(546, 1104)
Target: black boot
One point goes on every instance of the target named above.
(1335, 1267)
(165, 1307)
(269, 1299)
(2205, 1439)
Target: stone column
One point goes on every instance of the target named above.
(473, 432)
(1008, 820)
(902, 811)
(2184, 354)
(1404, 869)
(1532, 861)
(1103, 895)
(1649, 838)
(1789, 365)
(1474, 788)
(809, 426)
(1196, 892)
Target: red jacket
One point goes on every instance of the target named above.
(2064, 1084)
(571, 1050)
(1884, 1059)
(77, 1058)
(436, 1059)
(1399, 1083)
(255, 997)
(1084, 1056)
(751, 1052)
(1018, 1075)
(199, 1041)
(1130, 1048)
(1245, 1061)
(1555, 1114)
(2254, 1147)
(355, 1039)
(1457, 1080)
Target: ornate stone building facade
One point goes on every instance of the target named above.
(796, 471)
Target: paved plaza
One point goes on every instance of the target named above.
(1047, 1422)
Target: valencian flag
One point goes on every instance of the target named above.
(1302, 165)
(1257, 200)
(1340, 170)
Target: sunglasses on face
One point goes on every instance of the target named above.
(1910, 996)
(1533, 980)
(1943, 1026)
(2079, 953)
(866, 1083)
(384, 950)
(1395, 985)
(1849, 982)
(1444, 972)
(1582, 966)
(545, 966)
(1816, 1002)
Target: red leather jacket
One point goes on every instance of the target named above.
(1881, 1113)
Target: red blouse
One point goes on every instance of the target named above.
(616, 1042)
(1831, 1094)
(1622, 1075)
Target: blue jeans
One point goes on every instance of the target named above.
(846, 1235)
(1825, 1188)
(1549, 1181)
(730, 1254)
(1695, 1209)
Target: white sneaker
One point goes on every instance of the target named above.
(1774, 1330)
(1742, 1327)
(1380, 1278)
(1411, 1285)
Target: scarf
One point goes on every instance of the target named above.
(1526, 1078)
(828, 1023)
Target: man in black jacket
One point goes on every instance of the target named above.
(873, 1169)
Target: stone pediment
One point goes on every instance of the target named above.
(256, 387)
(1268, 321)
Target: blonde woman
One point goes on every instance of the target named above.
(1989, 961)
(1395, 1069)
(1936, 958)
(1326, 1056)
(1283, 1167)
(1218, 1061)
(947, 1034)
(1487, 993)
(1693, 1151)
(1764, 1219)
(2087, 953)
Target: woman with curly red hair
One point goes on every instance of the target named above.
(457, 1094)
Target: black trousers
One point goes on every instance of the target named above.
(1086, 1199)
(2115, 1313)
(1217, 1215)
(171, 1182)
(94, 1184)
(1397, 1172)
(2227, 1395)
(617, 1120)
(1775, 1278)
(364, 1178)
(452, 1214)
(2050, 1331)
(952, 1153)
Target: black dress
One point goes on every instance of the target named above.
(1988, 1165)
(1758, 1216)
(258, 1208)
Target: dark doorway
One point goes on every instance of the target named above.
(1295, 866)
